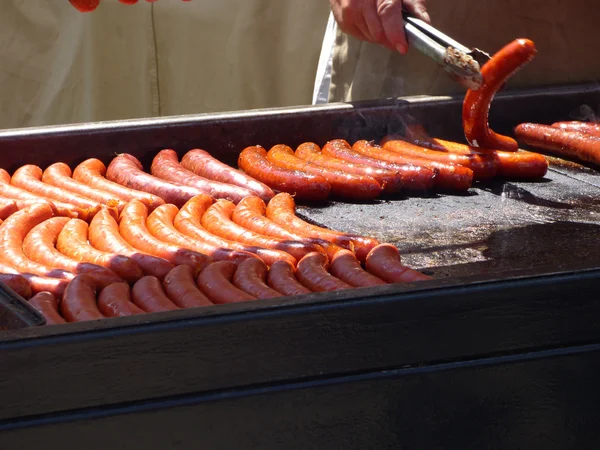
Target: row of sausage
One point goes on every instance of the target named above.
(66, 261)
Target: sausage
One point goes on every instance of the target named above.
(476, 105)
(59, 175)
(384, 262)
(17, 282)
(148, 294)
(7, 207)
(483, 166)
(180, 287)
(215, 282)
(126, 170)
(29, 178)
(188, 222)
(165, 166)
(38, 283)
(92, 172)
(417, 178)
(312, 273)
(304, 186)
(39, 246)
(47, 306)
(250, 214)
(515, 165)
(251, 276)
(582, 127)
(217, 220)
(115, 301)
(281, 278)
(134, 231)
(161, 225)
(346, 267)
(13, 232)
(85, 5)
(104, 235)
(281, 210)
(204, 164)
(25, 198)
(450, 176)
(343, 185)
(79, 302)
(567, 144)
(73, 242)
(390, 181)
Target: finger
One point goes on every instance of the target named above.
(418, 9)
(373, 23)
(344, 14)
(390, 14)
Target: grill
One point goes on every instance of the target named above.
(517, 270)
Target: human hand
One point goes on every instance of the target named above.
(90, 5)
(378, 21)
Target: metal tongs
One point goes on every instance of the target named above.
(461, 63)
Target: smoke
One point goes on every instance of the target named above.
(584, 113)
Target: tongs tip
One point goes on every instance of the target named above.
(463, 68)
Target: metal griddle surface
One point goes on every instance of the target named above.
(497, 226)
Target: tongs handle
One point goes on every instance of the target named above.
(456, 59)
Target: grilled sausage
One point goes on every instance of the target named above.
(17, 282)
(37, 283)
(115, 301)
(79, 302)
(217, 220)
(148, 294)
(384, 262)
(216, 283)
(25, 198)
(134, 231)
(202, 163)
(188, 222)
(450, 176)
(73, 242)
(251, 276)
(582, 127)
(92, 172)
(161, 224)
(250, 214)
(104, 235)
(126, 170)
(180, 287)
(281, 210)
(13, 232)
(39, 246)
(7, 207)
(165, 165)
(483, 166)
(312, 273)
(476, 106)
(417, 178)
(47, 306)
(568, 144)
(343, 185)
(59, 175)
(281, 278)
(514, 165)
(303, 185)
(390, 181)
(29, 177)
(346, 267)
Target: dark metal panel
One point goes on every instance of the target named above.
(543, 400)
(116, 365)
